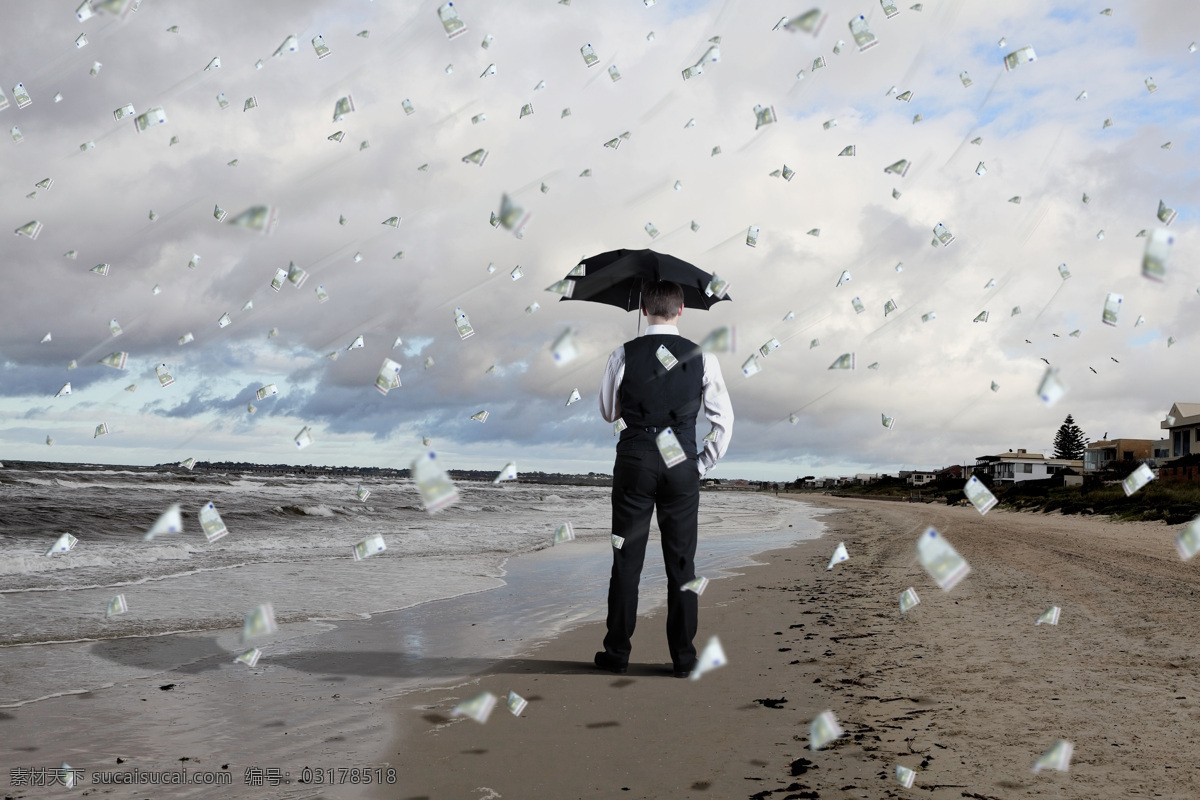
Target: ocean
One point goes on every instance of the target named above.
(479, 580)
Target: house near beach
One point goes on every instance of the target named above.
(1183, 426)
(958, 472)
(1021, 465)
(1101, 454)
(920, 477)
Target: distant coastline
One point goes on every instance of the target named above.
(310, 470)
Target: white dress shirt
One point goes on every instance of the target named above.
(717, 406)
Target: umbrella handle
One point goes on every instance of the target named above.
(639, 313)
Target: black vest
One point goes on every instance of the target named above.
(653, 397)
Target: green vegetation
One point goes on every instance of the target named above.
(1173, 502)
(1069, 442)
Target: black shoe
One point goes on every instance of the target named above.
(682, 673)
(606, 662)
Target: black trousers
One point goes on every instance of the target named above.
(641, 483)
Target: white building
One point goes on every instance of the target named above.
(921, 477)
(1014, 467)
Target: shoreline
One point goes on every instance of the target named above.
(317, 695)
(964, 689)
(566, 657)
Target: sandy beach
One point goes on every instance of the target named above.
(964, 688)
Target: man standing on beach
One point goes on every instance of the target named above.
(650, 397)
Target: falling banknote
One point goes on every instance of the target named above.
(844, 361)
(839, 555)
(564, 533)
(764, 115)
(1025, 55)
(115, 360)
(1166, 214)
(1137, 479)
(716, 287)
(1049, 617)
(771, 346)
(697, 585)
(665, 357)
(979, 495)
(824, 730)
(564, 348)
(479, 707)
(1058, 757)
(1188, 540)
(1112, 306)
(164, 377)
(304, 438)
(1158, 252)
(1051, 389)
(116, 606)
(862, 34)
(516, 703)
(463, 324)
(720, 340)
(170, 521)
(437, 490)
(259, 622)
(908, 599)
(369, 546)
(249, 658)
(62, 544)
(940, 560)
(388, 377)
(669, 447)
(211, 522)
(711, 657)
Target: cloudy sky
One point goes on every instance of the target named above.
(1038, 142)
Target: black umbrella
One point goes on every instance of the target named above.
(615, 278)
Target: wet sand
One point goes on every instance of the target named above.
(317, 712)
(964, 688)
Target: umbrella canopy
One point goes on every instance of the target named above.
(615, 278)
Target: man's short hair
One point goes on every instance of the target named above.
(661, 298)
